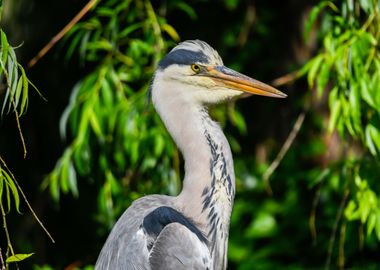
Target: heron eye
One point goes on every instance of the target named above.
(195, 68)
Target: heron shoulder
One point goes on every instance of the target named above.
(178, 248)
(155, 222)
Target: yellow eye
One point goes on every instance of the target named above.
(195, 68)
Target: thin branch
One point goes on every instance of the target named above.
(19, 126)
(335, 228)
(341, 259)
(26, 200)
(286, 79)
(5, 226)
(9, 244)
(282, 80)
(3, 267)
(61, 33)
(313, 229)
(284, 149)
(14, 108)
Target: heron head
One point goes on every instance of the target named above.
(195, 70)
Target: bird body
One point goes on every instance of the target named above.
(189, 231)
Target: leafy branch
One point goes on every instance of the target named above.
(106, 120)
(15, 101)
(347, 69)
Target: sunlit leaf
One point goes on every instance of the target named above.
(11, 190)
(263, 225)
(335, 107)
(171, 31)
(371, 223)
(315, 64)
(18, 257)
(377, 226)
(63, 177)
(4, 51)
(54, 185)
(25, 91)
(72, 180)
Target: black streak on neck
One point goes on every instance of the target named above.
(217, 163)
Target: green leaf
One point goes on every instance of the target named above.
(315, 64)
(83, 125)
(171, 31)
(100, 45)
(377, 226)
(335, 108)
(239, 121)
(263, 225)
(13, 76)
(66, 113)
(371, 223)
(355, 108)
(24, 99)
(2, 180)
(324, 76)
(351, 212)
(73, 180)
(11, 188)
(18, 92)
(159, 145)
(4, 51)
(53, 185)
(63, 176)
(73, 44)
(373, 139)
(95, 124)
(366, 94)
(18, 257)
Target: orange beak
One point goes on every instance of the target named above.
(229, 78)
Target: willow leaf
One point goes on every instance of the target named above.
(18, 257)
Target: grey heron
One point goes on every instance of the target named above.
(188, 231)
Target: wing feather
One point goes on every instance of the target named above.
(178, 248)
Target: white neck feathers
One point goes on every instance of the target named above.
(209, 183)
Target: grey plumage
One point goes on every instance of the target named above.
(188, 231)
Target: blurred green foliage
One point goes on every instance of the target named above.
(324, 212)
(117, 140)
(350, 62)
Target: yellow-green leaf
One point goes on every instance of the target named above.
(18, 257)
(25, 89)
(171, 31)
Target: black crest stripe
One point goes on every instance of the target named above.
(183, 57)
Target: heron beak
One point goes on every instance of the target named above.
(231, 79)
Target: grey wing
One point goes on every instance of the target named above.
(126, 246)
(177, 248)
(121, 253)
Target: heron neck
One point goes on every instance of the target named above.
(209, 168)
(207, 154)
(209, 182)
